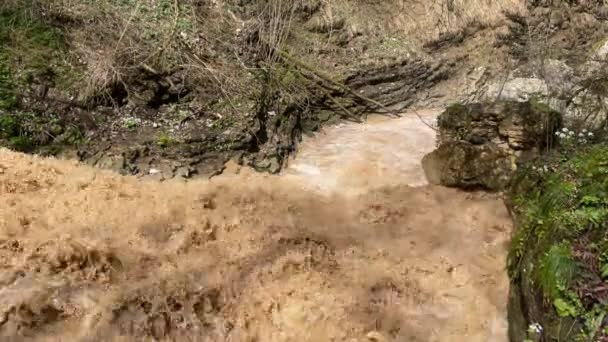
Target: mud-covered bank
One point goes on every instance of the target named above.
(181, 88)
(270, 134)
(90, 82)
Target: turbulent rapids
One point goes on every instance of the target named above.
(348, 244)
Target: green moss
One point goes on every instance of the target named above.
(539, 106)
(455, 114)
(456, 118)
(165, 140)
(130, 123)
(21, 143)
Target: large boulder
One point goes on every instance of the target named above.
(517, 89)
(481, 144)
(466, 165)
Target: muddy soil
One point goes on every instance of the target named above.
(348, 244)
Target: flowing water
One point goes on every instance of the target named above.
(354, 159)
(348, 244)
(457, 240)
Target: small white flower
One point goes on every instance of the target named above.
(581, 135)
(545, 168)
(557, 133)
(584, 130)
(565, 130)
(535, 327)
(571, 133)
(562, 135)
(590, 134)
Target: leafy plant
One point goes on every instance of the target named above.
(129, 123)
(604, 271)
(564, 309)
(556, 270)
(165, 140)
(561, 240)
(8, 126)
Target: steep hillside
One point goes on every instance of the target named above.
(182, 86)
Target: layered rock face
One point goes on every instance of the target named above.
(481, 144)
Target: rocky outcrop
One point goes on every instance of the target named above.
(481, 144)
(171, 143)
(396, 85)
(559, 49)
(517, 89)
(577, 93)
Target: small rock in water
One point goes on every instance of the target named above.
(184, 172)
(154, 171)
(375, 336)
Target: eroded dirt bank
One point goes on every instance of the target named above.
(334, 250)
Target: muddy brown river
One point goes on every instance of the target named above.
(348, 244)
(454, 241)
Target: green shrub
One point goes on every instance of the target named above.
(31, 52)
(32, 48)
(562, 235)
(9, 126)
(8, 98)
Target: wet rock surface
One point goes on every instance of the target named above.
(480, 145)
